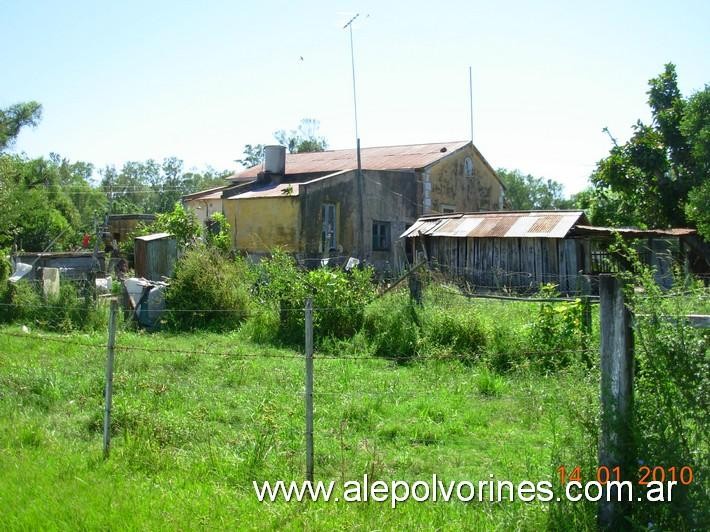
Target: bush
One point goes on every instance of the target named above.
(390, 325)
(65, 312)
(556, 332)
(339, 297)
(208, 291)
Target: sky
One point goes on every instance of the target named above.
(131, 80)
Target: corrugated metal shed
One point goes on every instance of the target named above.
(404, 157)
(155, 256)
(504, 224)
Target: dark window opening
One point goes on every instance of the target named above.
(381, 240)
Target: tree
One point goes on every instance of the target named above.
(253, 155)
(14, 118)
(303, 139)
(525, 192)
(650, 177)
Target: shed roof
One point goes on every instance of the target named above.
(154, 236)
(499, 224)
(404, 157)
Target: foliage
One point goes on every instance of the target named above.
(37, 205)
(390, 325)
(67, 311)
(182, 223)
(450, 324)
(339, 297)
(556, 331)
(153, 187)
(218, 232)
(649, 178)
(526, 192)
(303, 139)
(253, 155)
(697, 210)
(672, 398)
(488, 383)
(208, 291)
(5, 267)
(14, 118)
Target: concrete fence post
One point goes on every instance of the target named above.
(616, 448)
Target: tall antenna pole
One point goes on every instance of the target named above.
(349, 25)
(360, 184)
(470, 96)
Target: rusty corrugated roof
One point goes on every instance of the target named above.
(503, 224)
(406, 157)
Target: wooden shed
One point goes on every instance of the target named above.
(521, 250)
(155, 256)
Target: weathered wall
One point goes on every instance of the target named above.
(203, 209)
(389, 196)
(521, 263)
(260, 224)
(444, 183)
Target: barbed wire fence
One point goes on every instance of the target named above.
(615, 355)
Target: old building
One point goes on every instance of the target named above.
(318, 206)
(205, 203)
(521, 250)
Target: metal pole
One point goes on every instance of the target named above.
(470, 95)
(617, 382)
(309, 389)
(349, 25)
(109, 375)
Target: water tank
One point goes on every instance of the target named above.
(275, 159)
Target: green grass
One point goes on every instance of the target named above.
(192, 430)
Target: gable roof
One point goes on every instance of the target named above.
(499, 224)
(405, 157)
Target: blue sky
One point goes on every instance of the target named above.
(135, 80)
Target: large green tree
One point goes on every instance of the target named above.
(650, 179)
(525, 192)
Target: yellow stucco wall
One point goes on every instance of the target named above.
(260, 224)
(450, 186)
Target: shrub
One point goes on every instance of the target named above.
(390, 325)
(339, 297)
(5, 268)
(208, 291)
(22, 302)
(556, 331)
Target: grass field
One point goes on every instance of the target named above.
(192, 430)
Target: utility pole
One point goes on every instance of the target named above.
(360, 184)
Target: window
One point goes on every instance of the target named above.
(328, 239)
(381, 236)
(468, 167)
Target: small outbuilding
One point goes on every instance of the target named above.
(521, 250)
(155, 256)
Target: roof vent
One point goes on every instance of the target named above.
(443, 150)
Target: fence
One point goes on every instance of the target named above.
(616, 389)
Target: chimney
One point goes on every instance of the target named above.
(274, 164)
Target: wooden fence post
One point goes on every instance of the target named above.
(309, 389)
(415, 286)
(616, 447)
(108, 395)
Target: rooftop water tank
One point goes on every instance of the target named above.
(275, 159)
